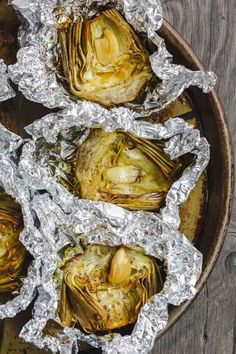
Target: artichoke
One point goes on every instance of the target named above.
(12, 252)
(105, 287)
(103, 59)
(123, 169)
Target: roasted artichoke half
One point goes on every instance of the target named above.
(12, 252)
(123, 169)
(105, 287)
(103, 60)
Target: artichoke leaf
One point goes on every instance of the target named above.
(9, 287)
(65, 311)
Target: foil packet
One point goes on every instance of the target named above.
(62, 216)
(101, 223)
(55, 137)
(36, 72)
(13, 184)
(7, 91)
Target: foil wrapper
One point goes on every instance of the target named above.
(110, 225)
(55, 137)
(6, 91)
(62, 216)
(35, 71)
(14, 185)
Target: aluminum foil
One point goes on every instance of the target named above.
(59, 216)
(110, 225)
(63, 216)
(6, 91)
(14, 186)
(35, 71)
(55, 137)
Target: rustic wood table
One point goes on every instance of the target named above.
(209, 325)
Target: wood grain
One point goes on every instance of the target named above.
(209, 325)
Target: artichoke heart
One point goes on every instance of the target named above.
(105, 287)
(123, 169)
(103, 60)
(12, 252)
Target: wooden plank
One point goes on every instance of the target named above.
(209, 325)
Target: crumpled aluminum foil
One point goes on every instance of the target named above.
(111, 225)
(62, 216)
(6, 91)
(14, 186)
(55, 138)
(35, 70)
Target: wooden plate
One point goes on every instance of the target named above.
(214, 204)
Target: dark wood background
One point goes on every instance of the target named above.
(209, 325)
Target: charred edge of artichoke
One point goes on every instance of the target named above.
(65, 175)
(146, 202)
(10, 287)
